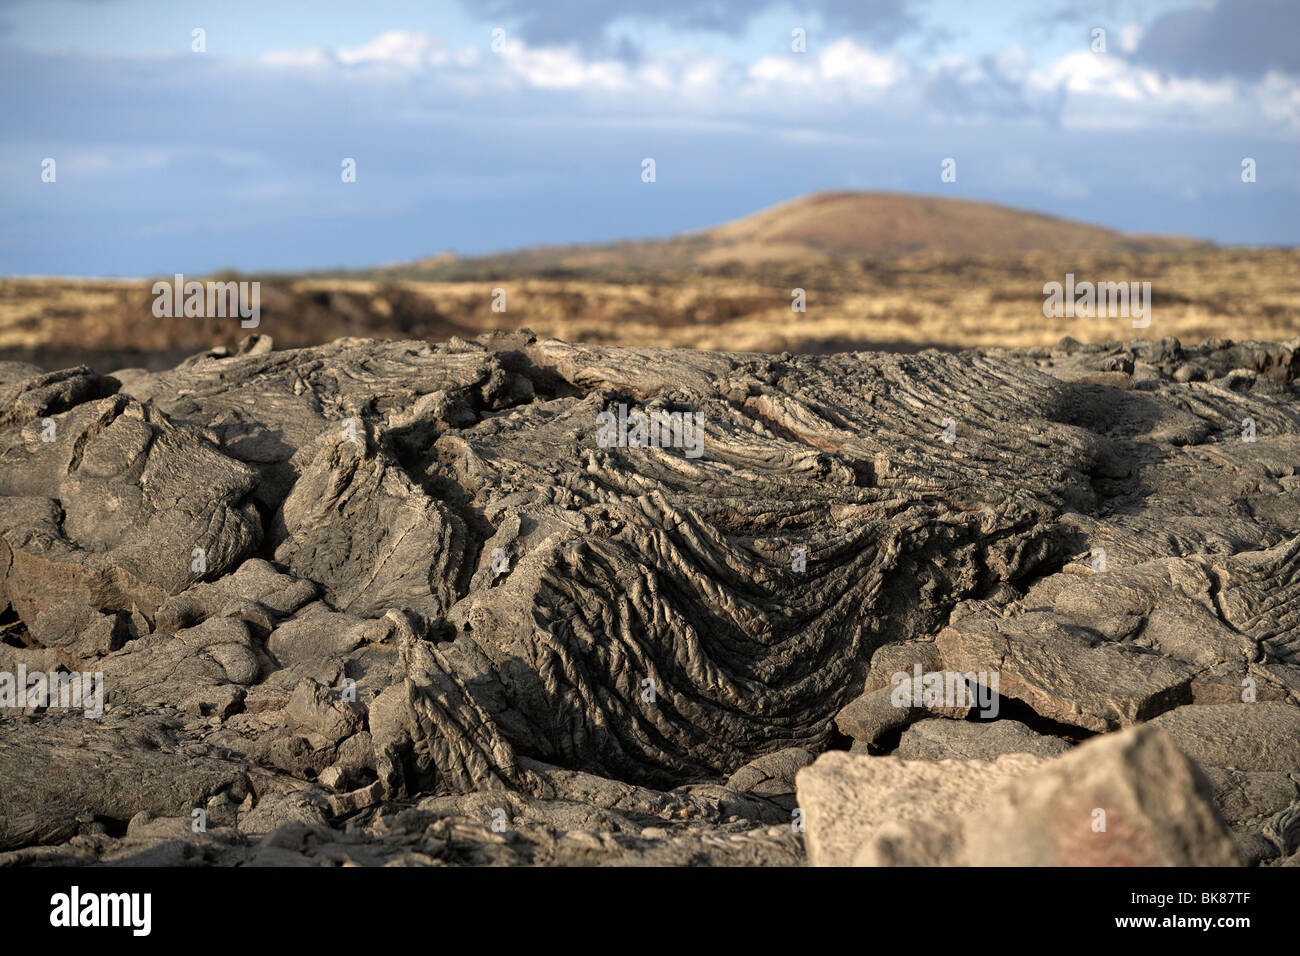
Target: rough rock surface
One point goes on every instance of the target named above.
(1128, 799)
(397, 602)
(939, 739)
(850, 798)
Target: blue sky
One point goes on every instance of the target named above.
(169, 160)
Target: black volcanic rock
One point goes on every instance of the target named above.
(391, 600)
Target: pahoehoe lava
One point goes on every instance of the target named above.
(374, 597)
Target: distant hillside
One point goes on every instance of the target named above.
(889, 224)
(889, 272)
(817, 227)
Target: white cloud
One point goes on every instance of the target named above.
(1129, 38)
(404, 48)
(306, 58)
(845, 61)
(563, 68)
(1279, 99)
(1082, 90)
(783, 70)
(1105, 91)
(1086, 73)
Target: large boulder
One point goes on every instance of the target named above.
(1125, 799)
